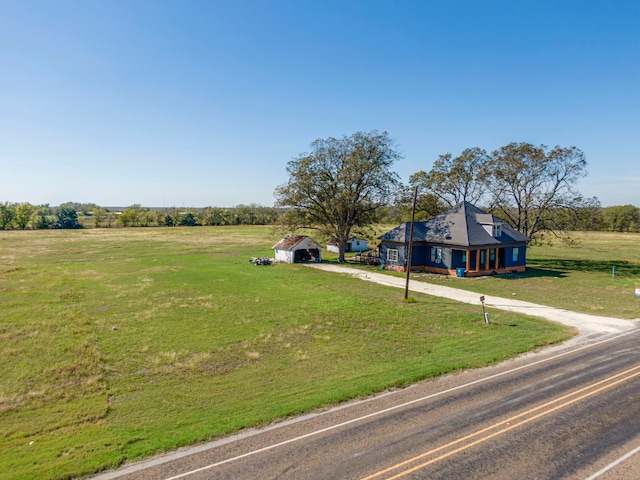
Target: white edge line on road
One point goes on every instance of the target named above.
(613, 464)
(395, 407)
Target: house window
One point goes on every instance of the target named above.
(464, 257)
(497, 230)
(436, 254)
(492, 254)
(482, 257)
(392, 255)
(515, 254)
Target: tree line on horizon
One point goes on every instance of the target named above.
(71, 215)
(344, 185)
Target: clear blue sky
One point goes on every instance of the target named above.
(203, 103)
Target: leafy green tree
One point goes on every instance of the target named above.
(67, 218)
(265, 215)
(111, 219)
(340, 185)
(224, 216)
(247, 214)
(133, 216)
(529, 184)
(24, 213)
(170, 218)
(98, 214)
(393, 214)
(157, 217)
(428, 205)
(188, 220)
(7, 214)
(43, 222)
(44, 218)
(621, 218)
(206, 216)
(586, 216)
(127, 218)
(46, 209)
(146, 218)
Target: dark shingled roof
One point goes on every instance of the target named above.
(462, 225)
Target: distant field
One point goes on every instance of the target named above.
(116, 344)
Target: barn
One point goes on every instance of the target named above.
(297, 249)
(463, 241)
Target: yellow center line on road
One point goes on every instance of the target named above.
(591, 387)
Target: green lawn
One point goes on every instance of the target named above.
(117, 344)
(575, 277)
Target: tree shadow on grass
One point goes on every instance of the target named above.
(623, 267)
(558, 268)
(532, 272)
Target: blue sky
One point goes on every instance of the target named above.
(203, 103)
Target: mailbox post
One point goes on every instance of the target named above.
(485, 314)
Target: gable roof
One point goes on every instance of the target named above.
(462, 225)
(291, 241)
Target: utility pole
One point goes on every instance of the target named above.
(410, 243)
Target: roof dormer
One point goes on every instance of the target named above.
(491, 225)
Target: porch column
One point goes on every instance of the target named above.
(496, 262)
(477, 260)
(468, 260)
(486, 260)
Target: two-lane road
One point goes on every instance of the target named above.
(570, 412)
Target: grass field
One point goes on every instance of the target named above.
(117, 344)
(575, 277)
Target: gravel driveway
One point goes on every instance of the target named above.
(585, 323)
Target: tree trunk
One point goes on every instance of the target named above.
(342, 246)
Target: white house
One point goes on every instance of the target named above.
(297, 249)
(354, 244)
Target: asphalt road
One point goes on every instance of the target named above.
(570, 412)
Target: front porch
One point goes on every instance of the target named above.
(489, 261)
(474, 262)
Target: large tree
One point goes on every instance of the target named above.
(455, 179)
(530, 184)
(341, 184)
